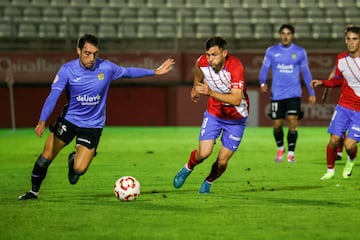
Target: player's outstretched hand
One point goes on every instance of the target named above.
(316, 83)
(165, 67)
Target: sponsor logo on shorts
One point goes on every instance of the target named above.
(356, 128)
(234, 138)
(84, 140)
(61, 130)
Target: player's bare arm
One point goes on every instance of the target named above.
(327, 90)
(165, 67)
(233, 98)
(198, 78)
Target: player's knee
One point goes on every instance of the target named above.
(350, 145)
(203, 156)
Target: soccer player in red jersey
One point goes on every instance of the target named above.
(221, 77)
(324, 98)
(346, 116)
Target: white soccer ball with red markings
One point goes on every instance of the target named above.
(127, 188)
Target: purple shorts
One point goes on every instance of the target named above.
(232, 130)
(344, 119)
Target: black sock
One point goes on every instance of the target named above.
(39, 172)
(291, 138)
(279, 137)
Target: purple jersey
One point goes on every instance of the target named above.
(86, 90)
(286, 64)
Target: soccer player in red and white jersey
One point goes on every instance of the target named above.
(346, 116)
(324, 98)
(221, 77)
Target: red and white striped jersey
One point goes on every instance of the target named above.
(230, 76)
(347, 74)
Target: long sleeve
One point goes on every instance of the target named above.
(49, 104)
(307, 79)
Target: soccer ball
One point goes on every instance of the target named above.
(127, 188)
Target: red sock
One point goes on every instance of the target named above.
(192, 160)
(330, 157)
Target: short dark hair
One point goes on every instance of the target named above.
(352, 28)
(87, 38)
(288, 26)
(215, 41)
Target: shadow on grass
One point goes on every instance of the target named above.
(303, 202)
(284, 188)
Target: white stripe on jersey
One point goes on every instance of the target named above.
(218, 82)
(350, 69)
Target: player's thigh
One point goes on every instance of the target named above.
(83, 157)
(87, 140)
(210, 128)
(225, 154)
(53, 146)
(292, 121)
(205, 148)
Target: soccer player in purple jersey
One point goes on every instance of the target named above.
(86, 82)
(286, 60)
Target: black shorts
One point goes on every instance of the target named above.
(282, 108)
(66, 131)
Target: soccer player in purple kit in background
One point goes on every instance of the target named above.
(286, 60)
(86, 82)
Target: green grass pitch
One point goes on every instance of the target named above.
(256, 198)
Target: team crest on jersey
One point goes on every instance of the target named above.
(100, 76)
(293, 56)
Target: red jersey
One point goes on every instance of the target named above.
(230, 76)
(347, 74)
